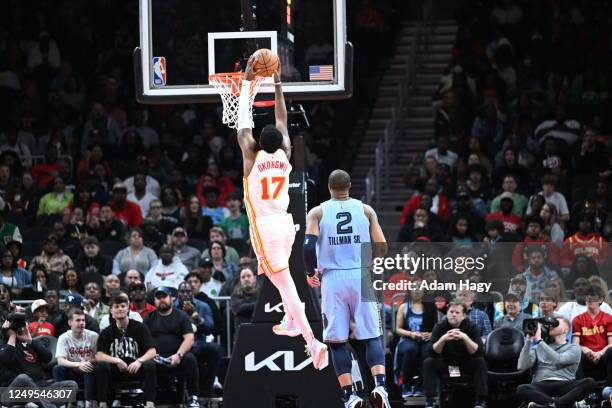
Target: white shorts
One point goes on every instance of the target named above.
(272, 238)
(343, 307)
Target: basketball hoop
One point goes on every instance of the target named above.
(264, 104)
(229, 85)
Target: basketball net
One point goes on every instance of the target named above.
(229, 86)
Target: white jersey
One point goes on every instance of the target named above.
(266, 189)
(77, 350)
(343, 229)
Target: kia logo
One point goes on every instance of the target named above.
(278, 308)
(288, 362)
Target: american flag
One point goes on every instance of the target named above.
(321, 72)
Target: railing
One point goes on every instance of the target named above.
(386, 153)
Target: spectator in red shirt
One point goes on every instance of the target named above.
(533, 235)
(40, 326)
(584, 242)
(592, 331)
(439, 203)
(126, 211)
(45, 172)
(137, 293)
(511, 221)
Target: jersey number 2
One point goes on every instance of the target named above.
(265, 191)
(346, 219)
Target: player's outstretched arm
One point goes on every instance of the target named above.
(280, 112)
(310, 245)
(376, 233)
(247, 143)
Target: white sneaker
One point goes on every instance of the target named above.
(286, 327)
(318, 352)
(379, 398)
(354, 402)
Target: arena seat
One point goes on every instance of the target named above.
(49, 343)
(198, 244)
(36, 233)
(502, 351)
(30, 249)
(129, 394)
(110, 248)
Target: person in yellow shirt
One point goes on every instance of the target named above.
(57, 200)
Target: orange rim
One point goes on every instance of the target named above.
(264, 104)
(233, 79)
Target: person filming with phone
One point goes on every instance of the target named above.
(553, 364)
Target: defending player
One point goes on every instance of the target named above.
(266, 182)
(335, 231)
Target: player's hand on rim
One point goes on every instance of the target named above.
(249, 73)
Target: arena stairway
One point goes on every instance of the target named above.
(418, 117)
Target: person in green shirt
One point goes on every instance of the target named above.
(10, 232)
(236, 225)
(55, 201)
(520, 201)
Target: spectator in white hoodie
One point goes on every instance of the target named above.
(168, 272)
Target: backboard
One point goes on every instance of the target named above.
(182, 42)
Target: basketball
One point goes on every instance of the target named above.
(266, 63)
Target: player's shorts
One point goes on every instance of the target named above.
(343, 309)
(272, 238)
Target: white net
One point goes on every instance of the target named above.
(229, 86)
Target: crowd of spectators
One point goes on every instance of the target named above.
(111, 209)
(521, 164)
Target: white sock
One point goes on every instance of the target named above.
(291, 301)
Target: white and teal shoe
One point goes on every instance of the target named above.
(286, 327)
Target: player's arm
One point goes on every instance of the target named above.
(246, 141)
(310, 240)
(280, 112)
(376, 233)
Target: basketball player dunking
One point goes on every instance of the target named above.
(335, 232)
(266, 190)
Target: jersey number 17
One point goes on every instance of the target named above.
(265, 183)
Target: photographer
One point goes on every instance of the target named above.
(6, 306)
(553, 367)
(457, 348)
(21, 359)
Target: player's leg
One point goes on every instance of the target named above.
(287, 326)
(375, 357)
(284, 283)
(341, 358)
(336, 327)
(367, 328)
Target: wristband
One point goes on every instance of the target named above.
(278, 83)
(310, 254)
(245, 121)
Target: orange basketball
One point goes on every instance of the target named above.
(266, 63)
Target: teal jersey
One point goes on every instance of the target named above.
(343, 228)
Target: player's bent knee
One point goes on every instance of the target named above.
(341, 358)
(375, 354)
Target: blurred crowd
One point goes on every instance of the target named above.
(520, 162)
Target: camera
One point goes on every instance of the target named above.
(530, 326)
(17, 322)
